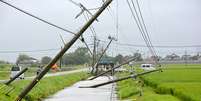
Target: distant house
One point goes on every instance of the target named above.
(105, 64)
(186, 57)
(172, 57)
(29, 61)
(199, 58)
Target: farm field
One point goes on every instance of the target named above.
(176, 82)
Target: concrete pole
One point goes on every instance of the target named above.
(121, 79)
(62, 52)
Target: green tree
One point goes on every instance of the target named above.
(45, 60)
(79, 56)
(22, 57)
(3, 62)
(138, 56)
(118, 58)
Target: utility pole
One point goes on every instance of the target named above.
(118, 66)
(120, 79)
(96, 64)
(62, 52)
(60, 61)
(186, 58)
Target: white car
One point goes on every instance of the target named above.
(15, 70)
(147, 67)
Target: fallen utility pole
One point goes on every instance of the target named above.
(120, 79)
(16, 76)
(101, 74)
(62, 52)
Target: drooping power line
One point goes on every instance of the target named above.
(38, 18)
(31, 51)
(138, 18)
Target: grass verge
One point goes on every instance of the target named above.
(45, 87)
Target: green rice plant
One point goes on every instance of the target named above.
(184, 83)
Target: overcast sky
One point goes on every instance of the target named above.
(170, 22)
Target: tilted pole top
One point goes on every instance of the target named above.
(62, 52)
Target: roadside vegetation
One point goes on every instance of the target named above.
(5, 70)
(46, 87)
(130, 90)
(181, 81)
(176, 82)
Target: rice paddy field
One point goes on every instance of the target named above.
(177, 82)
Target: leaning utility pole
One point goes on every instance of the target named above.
(96, 64)
(120, 79)
(118, 66)
(62, 52)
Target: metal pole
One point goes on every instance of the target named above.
(117, 80)
(61, 59)
(62, 52)
(112, 69)
(186, 58)
(16, 76)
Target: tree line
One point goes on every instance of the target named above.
(77, 57)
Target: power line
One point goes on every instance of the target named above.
(138, 24)
(142, 27)
(158, 46)
(91, 27)
(51, 24)
(117, 19)
(31, 51)
(144, 34)
(42, 20)
(143, 22)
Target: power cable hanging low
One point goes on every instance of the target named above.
(142, 29)
(143, 22)
(40, 19)
(92, 29)
(138, 23)
(31, 51)
(144, 35)
(147, 33)
(158, 46)
(33, 16)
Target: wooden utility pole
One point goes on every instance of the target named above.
(120, 79)
(62, 52)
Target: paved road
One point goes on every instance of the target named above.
(54, 74)
(74, 93)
